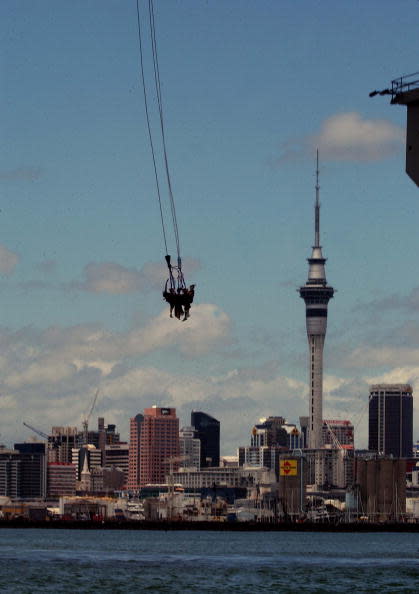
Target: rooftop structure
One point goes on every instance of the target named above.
(405, 91)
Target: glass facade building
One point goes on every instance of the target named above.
(390, 430)
(207, 430)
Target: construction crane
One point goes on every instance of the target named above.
(37, 431)
(335, 440)
(87, 418)
(405, 91)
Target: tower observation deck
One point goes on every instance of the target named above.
(316, 294)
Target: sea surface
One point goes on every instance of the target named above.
(36, 560)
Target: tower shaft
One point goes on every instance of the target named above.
(316, 343)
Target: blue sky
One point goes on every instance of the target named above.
(250, 89)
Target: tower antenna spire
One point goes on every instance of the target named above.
(317, 206)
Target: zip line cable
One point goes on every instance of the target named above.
(150, 137)
(160, 106)
(157, 84)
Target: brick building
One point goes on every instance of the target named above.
(159, 445)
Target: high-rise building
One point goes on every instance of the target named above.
(10, 472)
(61, 479)
(338, 433)
(390, 429)
(189, 449)
(100, 437)
(276, 432)
(117, 456)
(207, 430)
(23, 471)
(159, 445)
(316, 294)
(269, 432)
(261, 457)
(33, 468)
(135, 424)
(60, 443)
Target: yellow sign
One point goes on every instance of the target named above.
(288, 468)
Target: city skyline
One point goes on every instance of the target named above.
(248, 99)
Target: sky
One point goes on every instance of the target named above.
(250, 90)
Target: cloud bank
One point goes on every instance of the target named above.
(48, 377)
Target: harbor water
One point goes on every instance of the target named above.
(50, 560)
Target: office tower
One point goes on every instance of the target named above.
(390, 430)
(261, 457)
(207, 430)
(135, 425)
(23, 471)
(338, 433)
(159, 445)
(33, 468)
(189, 449)
(117, 456)
(111, 434)
(100, 437)
(316, 294)
(60, 443)
(269, 432)
(10, 473)
(61, 479)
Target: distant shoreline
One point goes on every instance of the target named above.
(214, 526)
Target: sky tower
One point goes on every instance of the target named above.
(316, 294)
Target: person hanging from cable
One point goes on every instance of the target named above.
(179, 311)
(169, 296)
(175, 292)
(188, 295)
(169, 292)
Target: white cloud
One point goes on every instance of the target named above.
(40, 373)
(349, 137)
(8, 261)
(49, 377)
(381, 356)
(408, 374)
(116, 279)
(110, 277)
